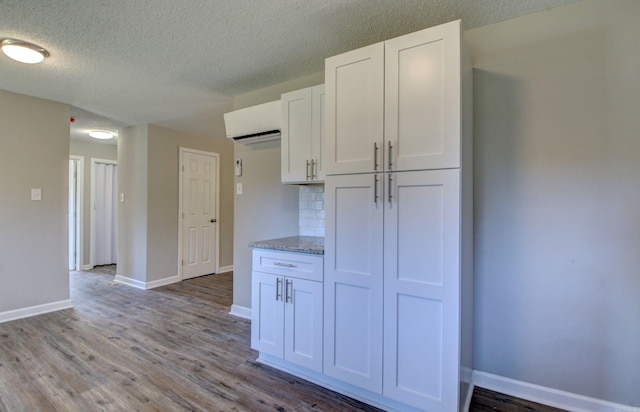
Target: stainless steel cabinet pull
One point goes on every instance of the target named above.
(286, 265)
(288, 297)
(375, 189)
(278, 290)
(390, 156)
(375, 156)
(390, 188)
(313, 169)
(308, 169)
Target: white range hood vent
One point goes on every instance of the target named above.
(254, 124)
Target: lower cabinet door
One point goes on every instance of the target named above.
(303, 323)
(267, 314)
(353, 280)
(422, 290)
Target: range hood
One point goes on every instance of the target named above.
(254, 124)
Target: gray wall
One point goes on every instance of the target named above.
(89, 150)
(148, 159)
(34, 135)
(267, 209)
(132, 213)
(163, 199)
(557, 199)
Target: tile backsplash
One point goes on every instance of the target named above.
(311, 200)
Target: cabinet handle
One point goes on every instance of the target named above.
(307, 170)
(285, 265)
(278, 290)
(288, 297)
(375, 189)
(375, 156)
(390, 156)
(390, 188)
(313, 169)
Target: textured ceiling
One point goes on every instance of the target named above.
(177, 63)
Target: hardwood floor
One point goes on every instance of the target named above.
(171, 348)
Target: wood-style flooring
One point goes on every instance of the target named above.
(174, 348)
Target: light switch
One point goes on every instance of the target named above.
(121, 197)
(36, 194)
(238, 188)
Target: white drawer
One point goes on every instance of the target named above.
(296, 265)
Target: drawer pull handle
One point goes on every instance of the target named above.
(285, 265)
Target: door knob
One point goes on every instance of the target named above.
(213, 221)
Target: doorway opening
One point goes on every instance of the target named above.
(104, 212)
(76, 173)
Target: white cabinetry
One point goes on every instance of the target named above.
(302, 134)
(353, 280)
(398, 219)
(287, 307)
(395, 105)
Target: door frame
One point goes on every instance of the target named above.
(182, 151)
(92, 231)
(79, 210)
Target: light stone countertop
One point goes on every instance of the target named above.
(300, 244)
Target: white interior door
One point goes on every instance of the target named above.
(199, 213)
(104, 234)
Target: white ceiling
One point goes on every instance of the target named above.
(178, 63)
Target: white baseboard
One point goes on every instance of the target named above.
(146, 285)
(87, 267)
(240, 311)
(34, 310)
(225, 269)
(547, 396)
(162, 282)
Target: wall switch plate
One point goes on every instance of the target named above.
(238, 167)
(36, 194)
(121, 197)
(238, 188)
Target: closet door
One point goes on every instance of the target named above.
(421, 289)
(422, 99)
(354, 86)
(353, 280)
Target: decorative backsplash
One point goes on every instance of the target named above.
(311, 200)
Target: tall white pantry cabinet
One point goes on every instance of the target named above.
(398, 224)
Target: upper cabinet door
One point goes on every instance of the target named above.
(354, 122)
(422, 99)
(296, 136)
(317, 132)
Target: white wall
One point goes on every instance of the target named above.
(89, 150)
(34, 136)
(557, 199)
(267, 209)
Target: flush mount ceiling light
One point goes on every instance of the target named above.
(101, 134)
(23, 51)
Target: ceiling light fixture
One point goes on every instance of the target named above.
(101, 134)
(23, 51)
